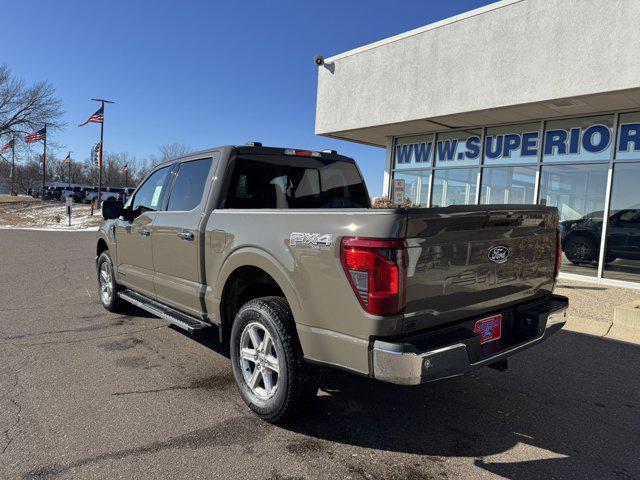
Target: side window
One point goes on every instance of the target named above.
(189, 185)
(257, 185)
(149, 193)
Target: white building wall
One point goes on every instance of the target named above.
(510, 53)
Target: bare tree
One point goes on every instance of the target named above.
(24, 109)
(173, 150)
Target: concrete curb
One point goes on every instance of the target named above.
(627, 314)
(605, 329)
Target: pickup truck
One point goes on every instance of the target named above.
(279, 252)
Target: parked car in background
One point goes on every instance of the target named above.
(56, 193)
(80, 194)
(581, 238)
(111, 194)
(66, 192)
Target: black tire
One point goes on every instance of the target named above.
(295, 382)
(580, 249)
(113, 302)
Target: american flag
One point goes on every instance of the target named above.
(37, 136)
(124, 169)
(97, 117)
(68, 159)
(7, 146)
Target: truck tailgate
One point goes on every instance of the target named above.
(468, 261)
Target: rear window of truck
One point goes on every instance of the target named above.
(295, 182)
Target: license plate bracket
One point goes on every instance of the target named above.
(489, 329)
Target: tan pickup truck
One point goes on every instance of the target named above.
(279, 252)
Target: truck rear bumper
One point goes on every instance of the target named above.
(405, 363)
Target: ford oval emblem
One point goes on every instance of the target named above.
(498, 254)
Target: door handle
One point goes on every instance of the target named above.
(185, 235)
(144, 232)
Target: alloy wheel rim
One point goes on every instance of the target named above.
(259, 361)
(106, 283)
(580, 250)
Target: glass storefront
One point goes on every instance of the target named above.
(622, 253)
(454, 186)
(579, 192)
(562, 162)
(508, 185)
(416, 186)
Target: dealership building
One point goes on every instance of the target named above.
(521, 101)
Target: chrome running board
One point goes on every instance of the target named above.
(179, 319)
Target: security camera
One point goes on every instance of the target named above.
(319, 60)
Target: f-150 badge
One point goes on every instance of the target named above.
(313, 240)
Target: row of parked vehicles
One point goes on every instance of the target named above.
(86, 195)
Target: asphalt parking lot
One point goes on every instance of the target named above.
(89, 394)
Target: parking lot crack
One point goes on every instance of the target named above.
(7, 433)
(234, 431)
(68, 342)
(155, 390)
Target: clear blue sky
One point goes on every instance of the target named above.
(197, 72)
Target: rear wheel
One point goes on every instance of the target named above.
(580, 249)
(108, 288)
(268, 367)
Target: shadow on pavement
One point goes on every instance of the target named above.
(573, 403)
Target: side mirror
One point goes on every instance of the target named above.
(111, 210)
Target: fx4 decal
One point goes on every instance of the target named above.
(314, 240)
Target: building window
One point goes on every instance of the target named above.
(579, 140)
(571, 157)
(414, 152)
(512, 144)
(508, 185)
(416, 186)
(455, 149)
(578, 191)
(622, 253)
(628, 142)
(455, 186)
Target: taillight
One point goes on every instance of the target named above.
(302, 153)
(558, 252)
(376, 269)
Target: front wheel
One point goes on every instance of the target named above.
(108, 288)
(268, 367)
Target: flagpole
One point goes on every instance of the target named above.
(44, 162)
(102, 102)
(13, 162)
(69, 169)
(100, 159)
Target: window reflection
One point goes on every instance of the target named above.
(508, 185)
(578, 191)
(622, 254)
(416, 186)
(454, 187)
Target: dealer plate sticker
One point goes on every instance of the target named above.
(489, 329)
